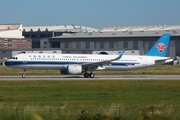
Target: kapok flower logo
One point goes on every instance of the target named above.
(161, 47)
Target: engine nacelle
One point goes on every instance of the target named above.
(72, 69)
(64, 71)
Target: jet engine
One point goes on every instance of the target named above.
(72, 69)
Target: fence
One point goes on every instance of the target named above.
(150, 113)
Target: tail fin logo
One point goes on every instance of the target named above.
(161, 47)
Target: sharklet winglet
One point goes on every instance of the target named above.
(120, 55)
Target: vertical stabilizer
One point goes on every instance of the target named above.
(160, 47)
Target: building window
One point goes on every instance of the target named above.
(111, 44)
(135, 44)
(45, 42)
(66, 45)
(43, 35)
(102, 45)
(34, 36)
(78, 44)
(57, 33)
(55, 44)
(14, 40)
(125, 44)
(26, 36)
(87, 45)
(49, 35)
(4, 52)
(97, 45)
(24, 41)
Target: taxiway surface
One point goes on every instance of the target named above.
(97, 77)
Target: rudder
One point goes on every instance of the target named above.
(160, 47)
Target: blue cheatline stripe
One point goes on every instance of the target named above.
(16, 63)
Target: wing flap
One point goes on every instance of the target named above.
(95, 65)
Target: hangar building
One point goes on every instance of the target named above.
(38, 33)
(81, 39)
(139, 38)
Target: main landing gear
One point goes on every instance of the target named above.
(86, 75)
(24, 75)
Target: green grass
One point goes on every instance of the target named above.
(101, 93)
(128, 99)
(161, 69)
(57, 100)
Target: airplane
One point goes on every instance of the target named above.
(87, 63)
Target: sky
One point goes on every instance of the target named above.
(91, 13)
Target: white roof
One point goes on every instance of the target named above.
(9, 26)
(141, 28)
(56, 28)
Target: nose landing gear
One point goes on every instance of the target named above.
(24, 75)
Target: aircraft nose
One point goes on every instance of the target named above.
(7, 63)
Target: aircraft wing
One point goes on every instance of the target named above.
(95, 65)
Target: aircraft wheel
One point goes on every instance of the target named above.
(91, 75)
(23, 75)
(86, 75)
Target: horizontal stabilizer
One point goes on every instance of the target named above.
(159, 62)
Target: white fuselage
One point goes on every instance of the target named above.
(61, 61)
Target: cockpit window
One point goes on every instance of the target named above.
(22, 52)
(15, 58)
